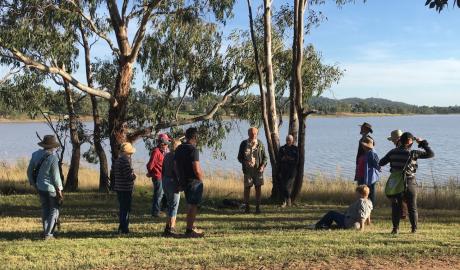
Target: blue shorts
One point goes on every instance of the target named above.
(194, 192)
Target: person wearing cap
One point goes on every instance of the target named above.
(394, 138)
(253, 159)
(368, 169)
(123, 177)
(402, 158)
(154, 170)
(43, 175)
(365, 130)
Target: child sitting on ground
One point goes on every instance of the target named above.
(356, 215)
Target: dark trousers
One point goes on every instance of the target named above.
(397, 203)
(331, 216)
(124, 201)
(157, 196)
(286, 182)
(372, 195)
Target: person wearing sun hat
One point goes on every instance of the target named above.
(123, 177)
(365, 130)
(154, 170)
(368, 169)
(43, 174)
(395, 136)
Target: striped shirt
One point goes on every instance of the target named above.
(399, 159)
(123, 174)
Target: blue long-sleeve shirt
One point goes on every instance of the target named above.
(48, 178)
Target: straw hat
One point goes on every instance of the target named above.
(368, 142)
(48, 142)
(127, 148)
(395, 135)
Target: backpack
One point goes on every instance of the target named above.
(37, 168)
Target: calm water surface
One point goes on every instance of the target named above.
(331, 144)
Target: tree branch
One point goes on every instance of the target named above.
(139, 37)
(181, 102)
(306, 113)
(54, 70)
(94, 28)
(232, 91)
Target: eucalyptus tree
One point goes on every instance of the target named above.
(439, 5)
(19, 43)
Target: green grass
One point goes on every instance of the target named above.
(275, 239)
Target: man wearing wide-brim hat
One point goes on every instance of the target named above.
(43, 174)
(365, 130)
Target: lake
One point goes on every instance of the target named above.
(331, 144)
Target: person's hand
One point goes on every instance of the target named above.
(261, 169)
(418, 140)
(59, 196)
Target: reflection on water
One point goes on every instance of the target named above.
(331, 144)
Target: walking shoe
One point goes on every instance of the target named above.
(194, 233)
(413, 230)
(169, 232)
(394, 231)
(258, 210)
(284, 204)
(247, 209)
(49, 237)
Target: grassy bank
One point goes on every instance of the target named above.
(318, 190)
(276, 239)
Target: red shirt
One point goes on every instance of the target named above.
(360, 173)
(155, 165)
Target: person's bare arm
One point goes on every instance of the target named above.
(197, 170)
(361, 224)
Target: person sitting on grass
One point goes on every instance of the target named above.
(356, 215)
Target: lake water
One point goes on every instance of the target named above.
(331, 144)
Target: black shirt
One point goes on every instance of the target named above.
(289, 156)
(184, 156)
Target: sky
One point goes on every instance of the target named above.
(398, 50)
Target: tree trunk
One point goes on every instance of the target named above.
(299, 8)
(72, 176)
(293, 118)
(117, 114)
(97, 131)
(272, 116)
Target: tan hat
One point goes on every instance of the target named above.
(127, 148)
(48, 142)
(395, 135)
(368, 142)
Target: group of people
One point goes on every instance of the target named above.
(402, 160)
(174, 167)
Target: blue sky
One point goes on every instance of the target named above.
(399, 50)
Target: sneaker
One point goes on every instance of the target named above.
(413, 230)
(247, 210)
(394, 231)
(169, 232)
(311, 226)
(49, 237)
(284, 205)
(194, 233)
(258, 210)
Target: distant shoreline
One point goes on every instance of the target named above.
(89, 118)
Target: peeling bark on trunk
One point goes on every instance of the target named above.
(72, 176)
